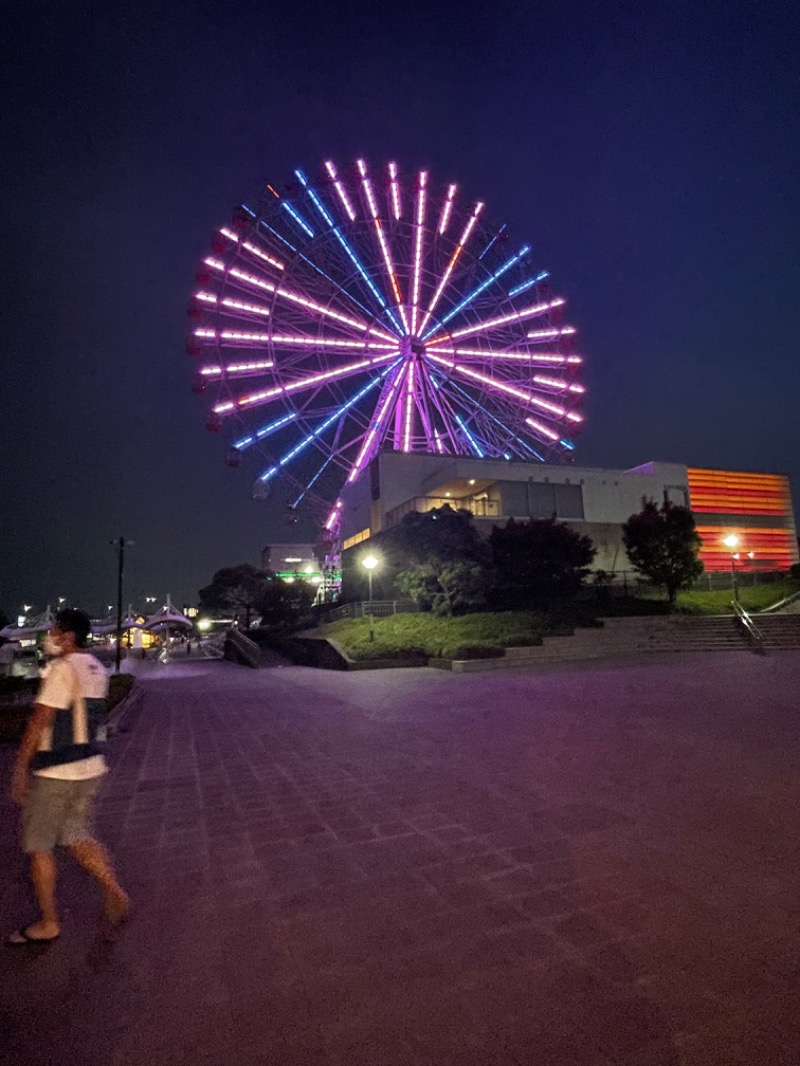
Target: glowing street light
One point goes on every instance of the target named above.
(369, 562)
(732, 542)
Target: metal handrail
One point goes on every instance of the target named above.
(748, 625)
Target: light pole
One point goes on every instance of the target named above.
(120, 544)
(732, 542)
(369, 562)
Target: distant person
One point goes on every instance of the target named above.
(57, 774)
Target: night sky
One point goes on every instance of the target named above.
(648, 152)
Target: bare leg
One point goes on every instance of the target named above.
(96, 861)
(43, 875)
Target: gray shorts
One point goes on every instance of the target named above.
(58, 812)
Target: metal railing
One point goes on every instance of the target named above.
(361, 609)
(749, 628)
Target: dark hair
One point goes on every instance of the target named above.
(71, 620)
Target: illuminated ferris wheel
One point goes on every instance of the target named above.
(355, 311)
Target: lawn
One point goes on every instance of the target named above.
(479, 635)
(412, 635)
(754, 598)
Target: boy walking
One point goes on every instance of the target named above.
(57, 774)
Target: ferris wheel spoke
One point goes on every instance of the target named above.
(493, 241)
(451, 265)
(510, 390)
(255, 399)
(308, 261)
(236, 370)
(533, 358)
(349, 251)
(523, 287)
(264, 431)
(244, 279)
(447, 210)
(391, 273)
(380, 418)
(508, 439)
(255, 252)
(344, 199)
(512, 316)
(319, 430)
(395, 192)
(509, 263)
(540, 336)
(310, 484)
(419, 230)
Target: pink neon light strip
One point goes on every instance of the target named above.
(409, 408)
(548, 358)
(334, 515)
(395, 189)
(251, 248)
(446, 276)
(544, 430)
(387, 258)
(236, 368)
(513, 316)
(447, 207)
(548, 334)
(233, 335)
(294, 386)
(492, 383)
(293, 297)
(238, 305)
(376, 425)
(340, 191)
(300, 340)
(420, 222)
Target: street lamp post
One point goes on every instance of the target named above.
(369, 562)
(120, 544)
(732, 542)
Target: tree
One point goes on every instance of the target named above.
(452, 588)
(442, 560)
(284, 602)
(235, 588)
(538, 559)
(663, 544)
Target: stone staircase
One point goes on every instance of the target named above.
(780, 631)
(641, 636)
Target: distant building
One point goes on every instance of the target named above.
(593, 501)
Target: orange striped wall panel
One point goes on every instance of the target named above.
(731, 492)
(737, 497)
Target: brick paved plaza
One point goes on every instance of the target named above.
(581, 865)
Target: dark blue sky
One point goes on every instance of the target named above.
(648, 152)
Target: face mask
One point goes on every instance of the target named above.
(50, 646)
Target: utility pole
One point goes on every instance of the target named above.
(120, 544)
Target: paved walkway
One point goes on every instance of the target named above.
(589, 865)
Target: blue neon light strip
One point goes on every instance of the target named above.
(470, 438)
(481, 288)
(310, 262)
(495, 419)
(567, 444)
(502, 229)
(320, 429)
(529, 284)
(349, 251)
(311, 482)
(245, 442)
(300, 221)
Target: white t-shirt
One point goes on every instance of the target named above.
(58, 690)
